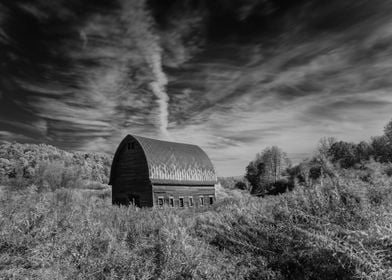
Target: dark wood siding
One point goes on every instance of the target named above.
(131, 178)
(177, 192)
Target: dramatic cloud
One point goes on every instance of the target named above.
(159, 89)
(231, 76)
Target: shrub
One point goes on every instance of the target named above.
(279, 187)
(241, 185)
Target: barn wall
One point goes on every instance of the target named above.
(131, 176)
(175, 191)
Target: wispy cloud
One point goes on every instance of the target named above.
(233, 77)
(336, 84)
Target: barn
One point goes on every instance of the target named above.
(148, 172)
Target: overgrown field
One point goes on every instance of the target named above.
(341, 228)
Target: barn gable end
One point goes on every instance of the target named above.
(129, 175)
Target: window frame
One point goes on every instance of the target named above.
(190, 201)
(211, 199)
(201, 200)
(171, 201)
(163, 201)
(181, 198)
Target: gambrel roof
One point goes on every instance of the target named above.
(175, 163)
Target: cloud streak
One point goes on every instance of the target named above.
(159, 88)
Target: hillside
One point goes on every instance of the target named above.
(44, 165)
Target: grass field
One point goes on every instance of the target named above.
(338, 229)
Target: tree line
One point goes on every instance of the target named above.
(45, 165)
(271, 172)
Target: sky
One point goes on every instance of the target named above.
(232, 76)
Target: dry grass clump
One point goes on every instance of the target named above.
(339, 229)
(67, 234)
(332, 231)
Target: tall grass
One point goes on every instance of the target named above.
(339, 229)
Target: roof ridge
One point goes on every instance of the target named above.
(166, 141)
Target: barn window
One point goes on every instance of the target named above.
(211, 200)
(190, 201)
(160, 201)
(201, 201)
(181, 201)
(131, 146)
(171, 201)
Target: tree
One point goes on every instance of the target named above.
(253, 172)
(363, 151)
(324, 146)
(388, 131)
(381, 146)
(266, 169)
(343, 153)
(275, 161)
(381, 149)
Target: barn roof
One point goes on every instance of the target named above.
(176, 163)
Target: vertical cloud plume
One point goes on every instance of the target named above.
(149, 42)
(158, 87)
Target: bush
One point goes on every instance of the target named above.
(279, 187)
(241, 185)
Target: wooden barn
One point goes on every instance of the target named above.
(149, 172)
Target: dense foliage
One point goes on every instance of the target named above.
(348, 155)
(45, 165)
(266, 173)
(271, 173)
